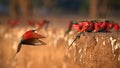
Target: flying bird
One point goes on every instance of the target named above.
(29, 38)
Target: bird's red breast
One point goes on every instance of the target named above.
(110, 25)
(91, 26)
(31, 35)
(104, 25)
(76, 27)
(97, 26)
(81, 23)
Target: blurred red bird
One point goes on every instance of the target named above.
(116, 27)
(30, 38)
(39, 25)
(13, 23)
(31, 22)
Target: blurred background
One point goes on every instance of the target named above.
(86, 8)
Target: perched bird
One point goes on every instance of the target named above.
(31, 23)
(116, 27)
(104, 25)
(69, 26)
(13, 23)
(97, 26)
(85, 25)
(93, 26)
(40, 25)
(110, 25)
(29, 38)
(81, 27)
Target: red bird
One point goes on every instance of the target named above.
(13, 23)
(76, 27)
(84, 26)
(31, 22)
(90, 26)
(41, 24)
(70, 25)
(97, 26)
(30, 38)
(109, 27)
(81, 27)
(116, 27)
(104, 25)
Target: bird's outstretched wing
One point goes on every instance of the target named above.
(33, 42)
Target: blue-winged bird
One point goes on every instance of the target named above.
(29, 38)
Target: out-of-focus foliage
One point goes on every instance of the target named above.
(5, 2)
(66, 6)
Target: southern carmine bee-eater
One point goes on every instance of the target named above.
(29, 38)
(42, 24)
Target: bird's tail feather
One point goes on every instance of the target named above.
(78, 36)
(13, 57)
(72, 42)
(18, 49)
